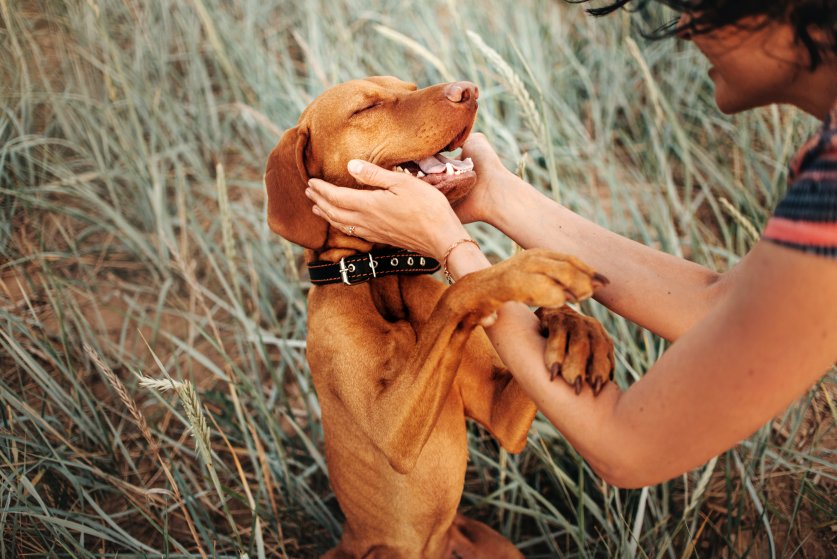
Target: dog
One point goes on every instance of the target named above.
(398, 359)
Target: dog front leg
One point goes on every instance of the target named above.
(406, 412)
(392, 378)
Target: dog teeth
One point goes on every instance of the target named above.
(449, 170)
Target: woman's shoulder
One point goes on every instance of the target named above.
(806, 219)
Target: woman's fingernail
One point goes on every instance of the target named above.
(355, 166)
(309, 192)
(316, 210)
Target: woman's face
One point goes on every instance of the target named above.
(755, 63)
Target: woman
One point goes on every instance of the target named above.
(747, 343)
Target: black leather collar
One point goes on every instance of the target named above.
(360, 268)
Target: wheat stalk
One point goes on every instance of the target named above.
(126, 398)
(197, 421)
(160, 385)
(531, 114)
(199, 429)
(188, 397)
(516, 87)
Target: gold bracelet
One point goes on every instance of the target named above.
(445, 270)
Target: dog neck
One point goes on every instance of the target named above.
(339, 245)
(385, 291)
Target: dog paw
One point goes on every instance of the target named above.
(536, 277)
(577, 348)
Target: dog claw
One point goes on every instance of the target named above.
(554, 371)
(598, 384)
(599, 280)
(577, 384)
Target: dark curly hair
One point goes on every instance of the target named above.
(814, 21)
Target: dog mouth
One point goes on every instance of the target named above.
(451, 176)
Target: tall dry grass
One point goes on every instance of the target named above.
(133, 244)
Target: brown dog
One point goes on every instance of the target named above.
(399, 361)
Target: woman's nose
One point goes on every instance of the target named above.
(684, 28)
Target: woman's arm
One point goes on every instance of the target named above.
(754, 353)
(658, 291)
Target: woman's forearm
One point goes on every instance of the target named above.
(584, 420)
(712, 388)
(656, 290)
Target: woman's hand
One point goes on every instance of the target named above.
(483, 201)
(405, 212)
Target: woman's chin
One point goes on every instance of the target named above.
(731, 100)
(730, 104)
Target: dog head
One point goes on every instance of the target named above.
(379, 119)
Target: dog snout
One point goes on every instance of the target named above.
(462, 92)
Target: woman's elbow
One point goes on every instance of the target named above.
(622, 473)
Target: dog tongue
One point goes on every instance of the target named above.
(436, 164)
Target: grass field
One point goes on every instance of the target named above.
(133, 244)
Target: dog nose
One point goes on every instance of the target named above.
(462, 92)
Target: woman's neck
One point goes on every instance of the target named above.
(816, 92)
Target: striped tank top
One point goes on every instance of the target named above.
(806, 218)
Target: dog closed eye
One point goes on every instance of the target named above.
(370, 106)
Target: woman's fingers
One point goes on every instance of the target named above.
(345, 221)
(346, 209)
(332, 203)
(476, 144)
(479, 150)
(328, 196)
(372, 175)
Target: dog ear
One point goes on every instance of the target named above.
(286, 178)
